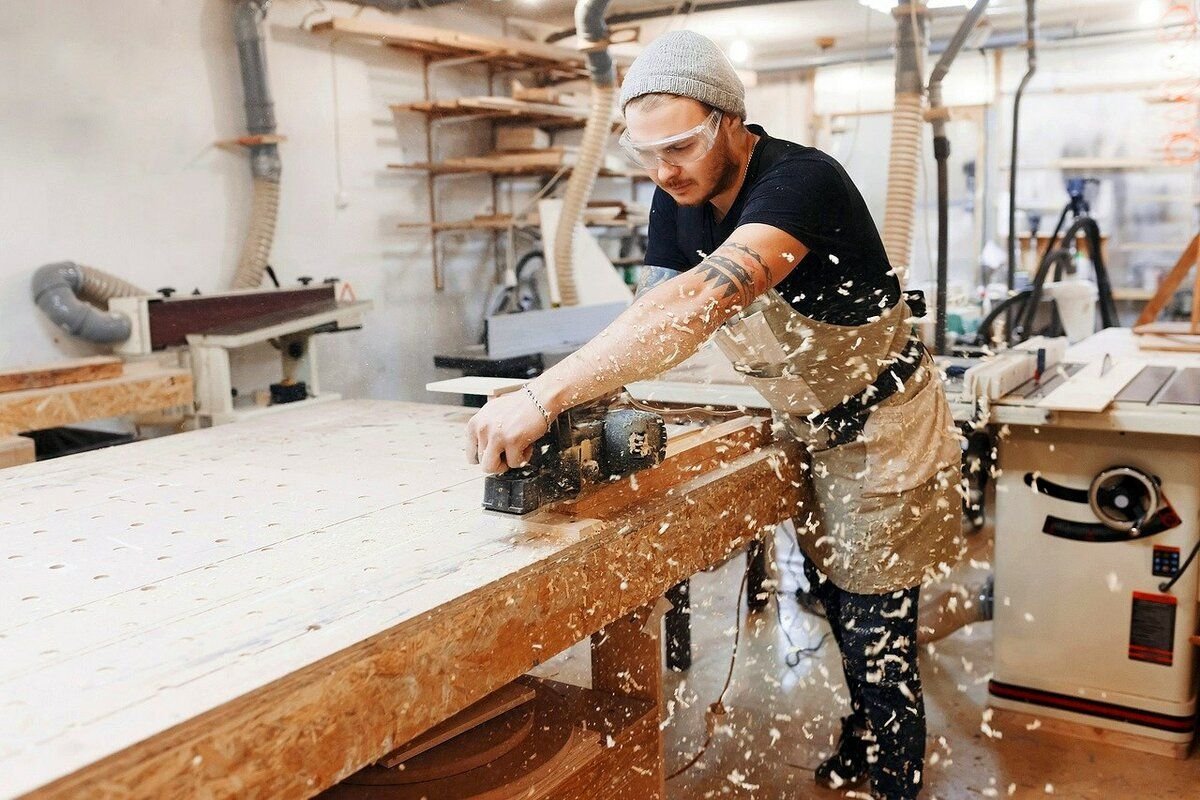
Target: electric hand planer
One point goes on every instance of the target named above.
(583, 446)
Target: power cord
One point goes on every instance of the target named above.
(1165, 586)
(717, 709)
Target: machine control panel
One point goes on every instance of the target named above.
(1166, 561)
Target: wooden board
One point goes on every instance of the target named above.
(1091, 388)
(141, 388)
(73, 371)
(476, 385)
(260, 609)
(16, 450)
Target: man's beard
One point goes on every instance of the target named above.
(727, 175)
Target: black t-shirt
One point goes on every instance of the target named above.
(845, 279)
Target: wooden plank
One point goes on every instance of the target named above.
(475, 385)
(1189, 258)
(1092, 388)
(16, 450)
(73, 371)
(256, 665)
(136, 391)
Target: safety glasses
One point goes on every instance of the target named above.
(682, 148)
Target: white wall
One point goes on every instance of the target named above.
(108, 114)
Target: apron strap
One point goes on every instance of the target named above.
(845, 421)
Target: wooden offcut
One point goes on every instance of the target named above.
(16, 450)
(519, 137)
(140, 389)
(75, 370)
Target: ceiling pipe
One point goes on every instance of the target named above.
(669, 11)
(937, 116)
(1059, 35)
(1031, 35)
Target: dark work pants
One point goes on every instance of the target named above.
(877, 637)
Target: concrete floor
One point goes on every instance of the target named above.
(783, 721)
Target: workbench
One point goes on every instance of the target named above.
(263, 608)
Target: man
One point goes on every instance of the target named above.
(769, 246)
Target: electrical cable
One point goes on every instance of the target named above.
(717, 708)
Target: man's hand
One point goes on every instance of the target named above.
(501, 435)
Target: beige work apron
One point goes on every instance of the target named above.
(887, 510)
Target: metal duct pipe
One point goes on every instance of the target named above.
(265, 165)
(1031, 45)
(904, 160)
(941, 151)
(68, 293)
(589, 20)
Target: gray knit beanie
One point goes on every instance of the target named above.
(689, 65)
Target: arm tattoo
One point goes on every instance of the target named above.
(725, 272)
(652, 276)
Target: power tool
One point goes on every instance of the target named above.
(582, 446)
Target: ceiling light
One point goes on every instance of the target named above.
(1149, 12)
(739, 51)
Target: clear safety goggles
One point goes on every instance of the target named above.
(682, 148)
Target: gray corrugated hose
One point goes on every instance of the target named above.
(264, 158)
(589, 21)
(908, 120)
(66, 292)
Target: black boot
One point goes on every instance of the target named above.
(848, 766)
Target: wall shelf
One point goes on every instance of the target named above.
(557, 63)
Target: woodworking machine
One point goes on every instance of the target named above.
(583, 446)
(211, 326)
(1097, 533)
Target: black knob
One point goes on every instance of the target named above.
(305, 279)
(196, 292)
(331, 280)
(167, 291)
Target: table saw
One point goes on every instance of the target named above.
(263, 608)
(1096, 515)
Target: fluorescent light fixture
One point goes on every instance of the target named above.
(739, 51)
(1150, 12)
(886, 6)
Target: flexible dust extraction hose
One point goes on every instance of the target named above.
(904, 160)
(69, 294)
(265, 165)
(589, 20)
